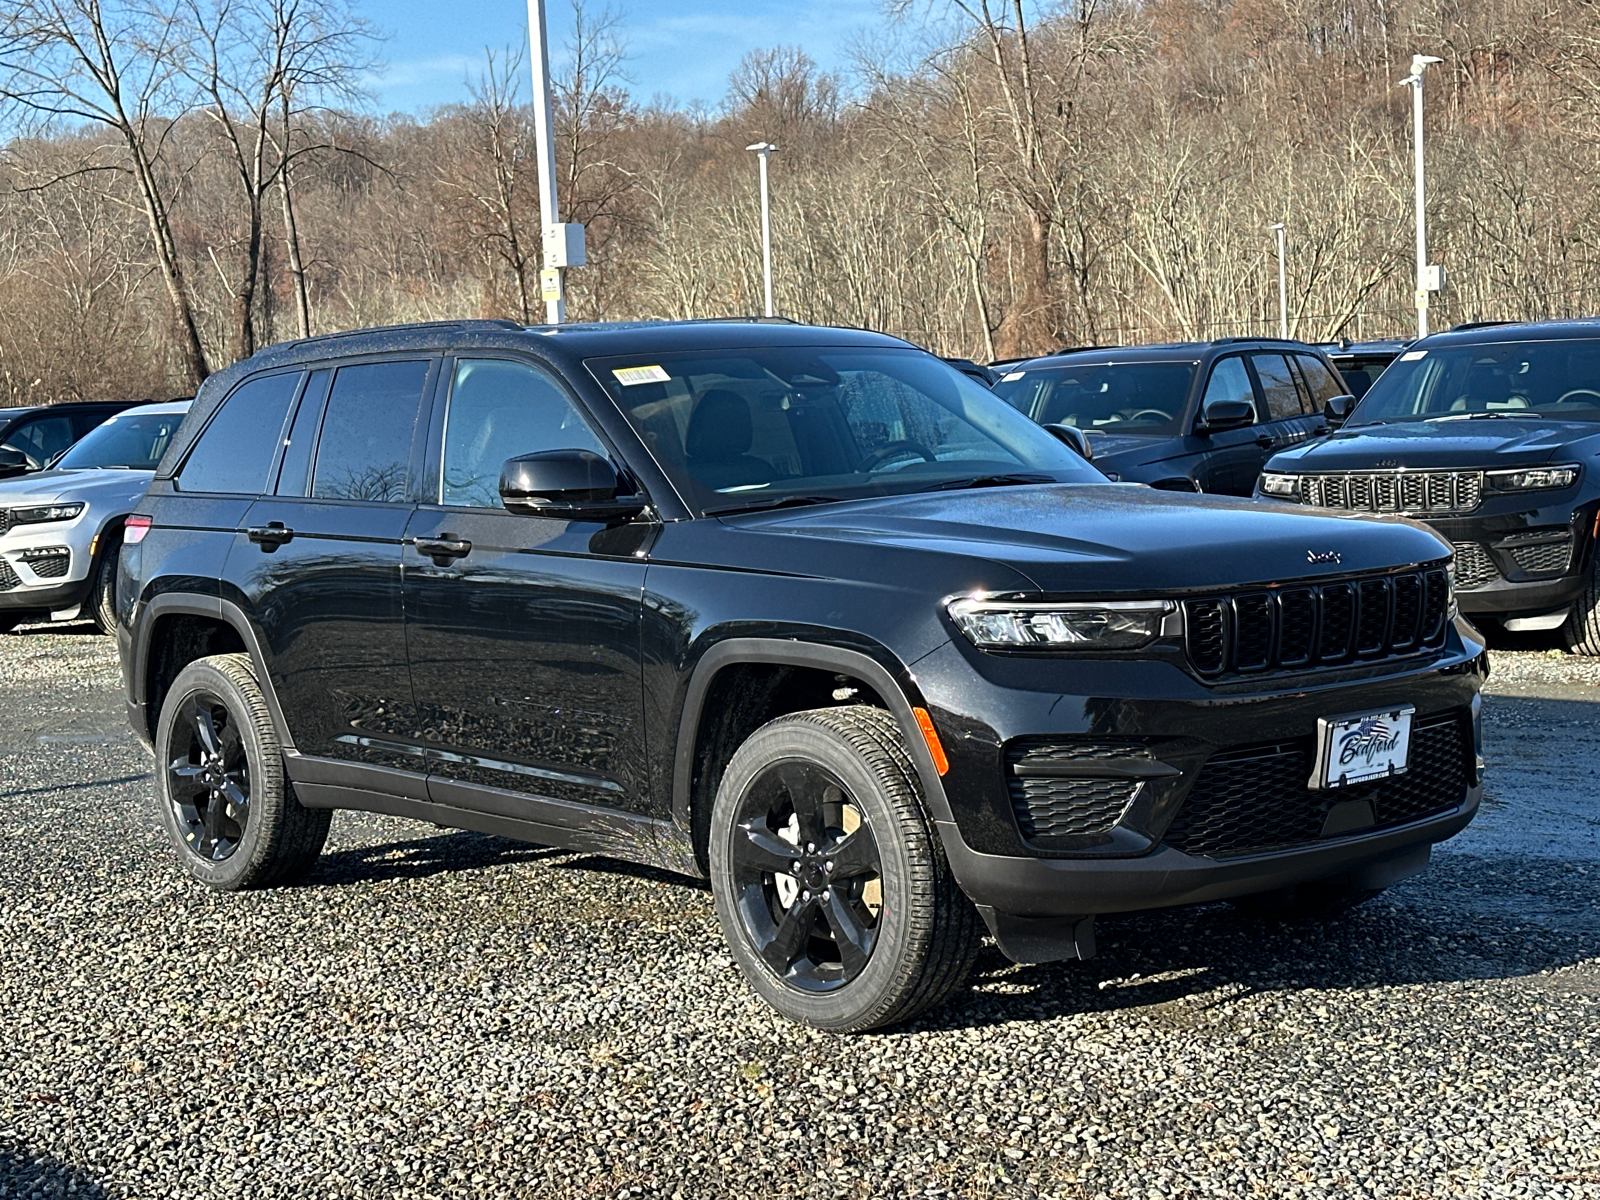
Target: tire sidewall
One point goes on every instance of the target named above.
(103, 595)
(266, 778)
(898, 950)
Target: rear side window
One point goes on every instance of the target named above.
(364, 452)
(236, 450)
(1323, 383)
(1278, 386)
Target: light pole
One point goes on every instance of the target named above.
(1283, 284)
(1429, 279)
(563, 244)
(766, 150)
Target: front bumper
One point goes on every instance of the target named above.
(46, 567)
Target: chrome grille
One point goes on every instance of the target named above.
(1474, 567)
(1324, 624)
(1395, 491)
(5, 520)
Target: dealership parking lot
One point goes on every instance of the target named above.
(447, 1014)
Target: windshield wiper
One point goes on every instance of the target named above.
(1510, 414)
(982, 481)
(772, 502)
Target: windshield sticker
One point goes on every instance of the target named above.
(1012, 377)
(633, 376)
(1413, 355)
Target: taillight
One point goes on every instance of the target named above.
(134, 529)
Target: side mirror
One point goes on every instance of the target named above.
(1226, 414)
(566, 485)
(1338, 409)
(1074, 437)
(12, 462)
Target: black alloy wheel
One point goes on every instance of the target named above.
(208, 777)
(830, 882)
(806, 868)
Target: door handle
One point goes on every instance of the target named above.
(270, 536)
(444, 549)
(1265, 441)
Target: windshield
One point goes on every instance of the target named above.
(1512, 379)
(1130, 397)
(132, 441)
(750, 427)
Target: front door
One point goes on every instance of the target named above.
(523, 632)
(1232, 458)
(319, 563)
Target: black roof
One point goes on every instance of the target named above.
(1480, 332)
(67, 406)
(1156, 352)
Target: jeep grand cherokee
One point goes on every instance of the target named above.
(805, 611)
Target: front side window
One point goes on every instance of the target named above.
(236, 450)
(1547, 379)
(750, 424)
(1278, 386)
(1128, 397)
(1229, 381)
(364, 451)
(40, 440)
(131, 441)
(498, 410)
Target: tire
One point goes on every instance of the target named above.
(215, 704)
(1318, 900)
(102, 603)
(1582, 630)
(9, 621)
(890, 932)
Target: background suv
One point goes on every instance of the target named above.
(1190, 416)
(31, 437)
(61, 529)
(805, 611)
(1491, 434)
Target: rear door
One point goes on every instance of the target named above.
(319, 561)
(524, 640)
(1288, 416)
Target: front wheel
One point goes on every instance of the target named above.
(830, 883)
(103, 589)
(228, 808)
(1582, 630)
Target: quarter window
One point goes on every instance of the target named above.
(364, 452)
(499, 410)
(236, 450)
(1278, 386)
(1229, 381)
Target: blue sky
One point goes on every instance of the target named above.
(678, 48)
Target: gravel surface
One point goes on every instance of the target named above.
(439, 1014)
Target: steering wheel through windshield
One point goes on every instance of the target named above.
(894, 450)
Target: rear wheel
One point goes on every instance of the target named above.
(230, 811)
(830, 883)
(1582, 630)
(103, 591)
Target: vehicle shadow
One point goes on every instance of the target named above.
(83, 628)
(419, 858)
(22, 1174)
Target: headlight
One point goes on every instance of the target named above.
(1532, 479)
(45, 512)
(1092, 625)
(1280, 485)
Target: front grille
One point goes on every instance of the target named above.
(1255, 798)
(1395, 491)
(1303, 625)
(1049, 804)
(1540, 554)
(49, 566)
(1474, 567)
(5, 520)
(8, 577)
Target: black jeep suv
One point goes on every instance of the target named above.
(1191, 416)
(1491, 434)
(806, 611)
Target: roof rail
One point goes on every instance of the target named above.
(1251, 338)
(469, 323)
(1482, 325)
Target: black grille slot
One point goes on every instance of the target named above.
(1316, 625)
(1544, 558)
(1407, 611)
(1338, 621)
(49, 566)
(5, 520)
(1252, 632)
(8, 577)
(1374, 622)
(1051, 804)
(1207, 635)
(1255, 798)
(1474, 567)
(1297, 620)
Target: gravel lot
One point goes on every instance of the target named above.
(443, 1014)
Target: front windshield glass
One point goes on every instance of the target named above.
(133, 441)
(1543, 379)
(1128, 397)
(751, 427)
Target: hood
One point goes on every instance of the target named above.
(1112, 450)
(1096, 538)
(1501, 442)
(96, 486)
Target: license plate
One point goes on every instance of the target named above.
(1362, 746)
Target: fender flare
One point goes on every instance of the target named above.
(226, 611)
(784, 652)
